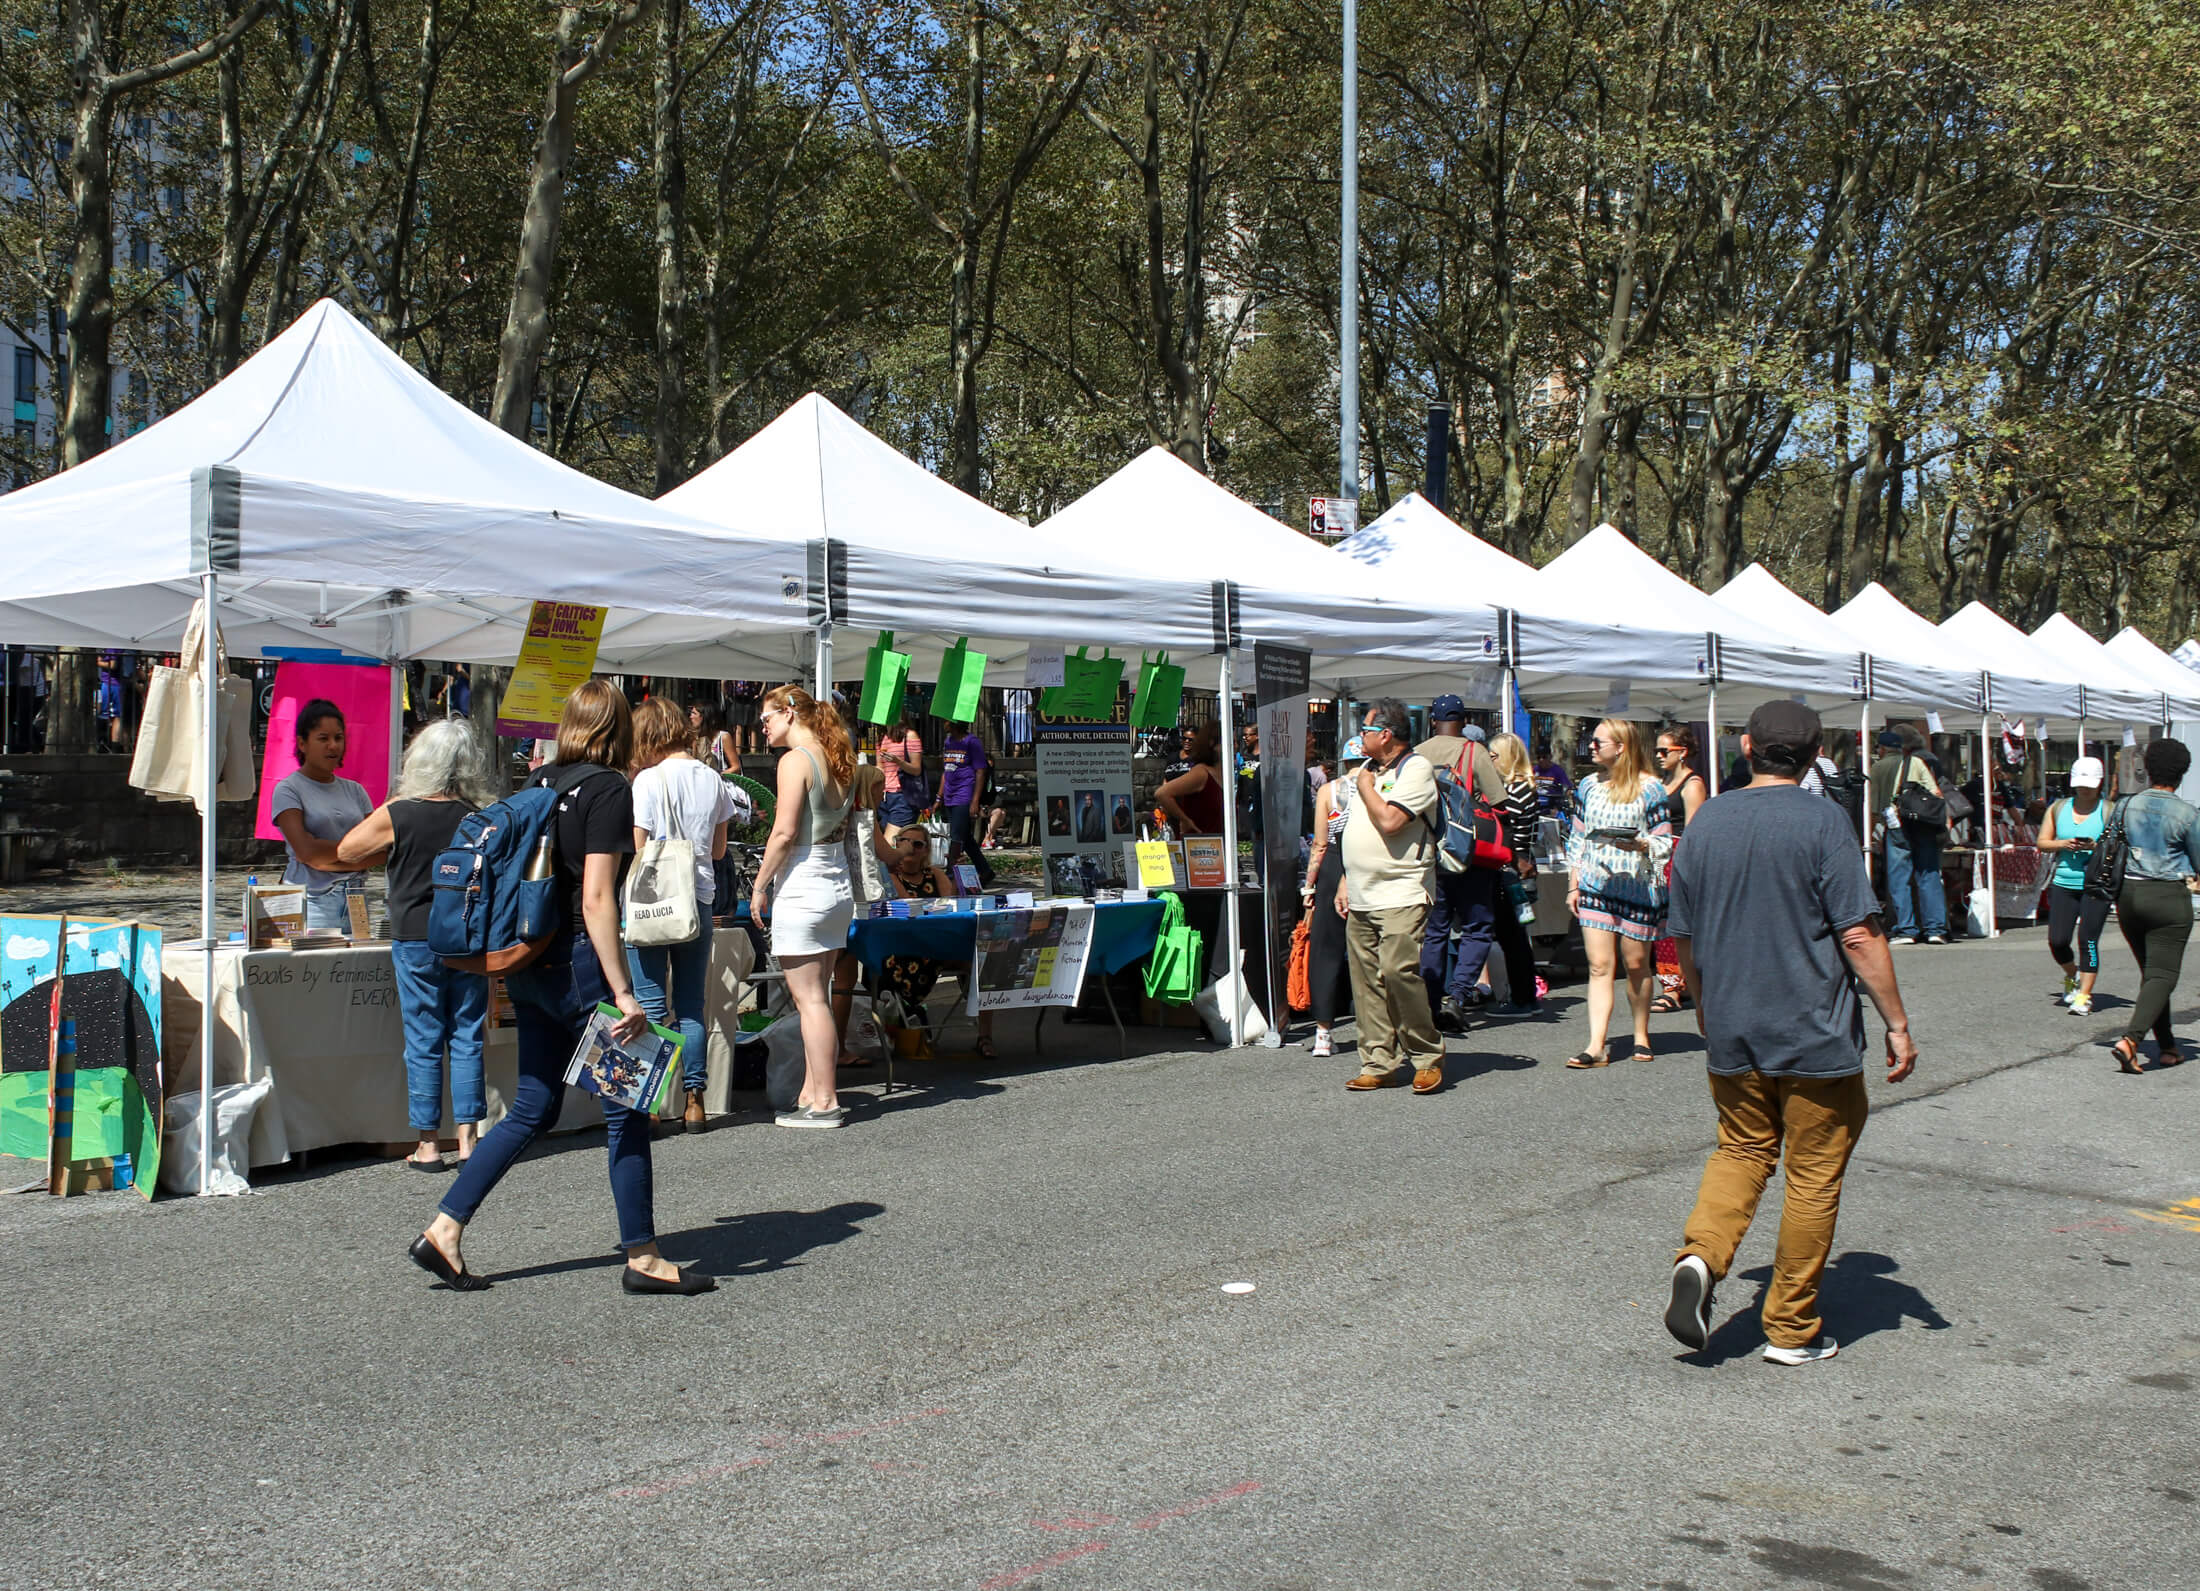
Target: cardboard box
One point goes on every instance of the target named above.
(273, 914)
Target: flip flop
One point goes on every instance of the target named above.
(1587, 1061)
(985, 1051)
(1645, 1055)
(426, 1165)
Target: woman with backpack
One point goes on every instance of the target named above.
(802, 886)
(591, 836)
(2069, 832)
(445, 776)
(677, 797)
(1621, 836)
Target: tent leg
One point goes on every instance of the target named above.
(1231, 947)
(824, 690)
(2081, 737)
(1711, 733)
(1986, 805)
(1864, 762)
(210, 736)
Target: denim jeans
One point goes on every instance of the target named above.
(1914, 855)
(331, 908)
(1466, 901)
(899, 807)
(550, 1002)
(442, 1008)
(687, 968)
(960, 843)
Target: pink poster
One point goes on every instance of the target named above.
(367, 694)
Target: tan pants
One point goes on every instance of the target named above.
(1389, 1000)
(1814, 1123)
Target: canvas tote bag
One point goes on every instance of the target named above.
(169, 761)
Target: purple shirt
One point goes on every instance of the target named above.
(962, 759)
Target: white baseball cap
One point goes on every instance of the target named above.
(2086, 773)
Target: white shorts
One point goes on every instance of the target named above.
(813, 906)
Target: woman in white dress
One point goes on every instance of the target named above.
(802, 888)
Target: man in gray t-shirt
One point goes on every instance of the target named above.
(1774, 917)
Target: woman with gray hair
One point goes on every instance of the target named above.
(446, 775)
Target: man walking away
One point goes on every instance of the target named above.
(1389, 850)
(1912, 849)
(1774, 917)
(1466, 900)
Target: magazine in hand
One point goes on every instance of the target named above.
(633, 1074)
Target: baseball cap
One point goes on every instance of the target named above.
(1784, 731)
(2087, 773)
(1445, 708)
(1890, 740)
(1474, 733)
(1352, 751)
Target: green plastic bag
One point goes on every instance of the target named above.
(1160, 693)
(885, 676)
(1172, 969)
(962, 676)
(1087, 690)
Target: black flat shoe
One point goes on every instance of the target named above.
(427, 1165)
(430, 1259)
(687, 1283)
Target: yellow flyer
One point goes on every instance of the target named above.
(559, 653)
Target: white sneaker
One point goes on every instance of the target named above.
(1688, 1312)
(1809, 1354)
(1322, 1044)
(2080, 1004)
(2070, 987)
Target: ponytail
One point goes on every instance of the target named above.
(823, 722)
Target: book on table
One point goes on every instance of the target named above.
(633, 1075)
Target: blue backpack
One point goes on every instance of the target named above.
(495, 905)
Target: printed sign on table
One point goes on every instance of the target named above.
(558, 654)
(1027, 958)
(1086, 804)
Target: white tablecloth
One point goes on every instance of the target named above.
(324, 1025)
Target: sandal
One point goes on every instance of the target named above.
(985, 1051)
(1588, 1061)
(2127, 1056)
(1666, 1004)
(1645, 1055)
(2169, 1057)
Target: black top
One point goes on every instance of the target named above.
(419, 829)
(595, 818)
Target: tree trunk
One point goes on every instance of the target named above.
(91, 310)
(70, 723)
(1589, 460)
(962, 293)
(226, 345)
(669, 153)
(527, 318)
(1831, 594)
(1622, 472)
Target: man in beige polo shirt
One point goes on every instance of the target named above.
(1389, 849)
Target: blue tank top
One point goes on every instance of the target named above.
(2070, 865)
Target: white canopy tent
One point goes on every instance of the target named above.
(1910, 655)
(1416, 546)
(2164, 673)
(348, 503)
(327, 494)
(1670, 646)
(2112, 691)
(2020, 678)
(909, 552)
(1897, 685)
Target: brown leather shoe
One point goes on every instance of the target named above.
(692, 1119)
(1428, 1079)
(1370, 1080)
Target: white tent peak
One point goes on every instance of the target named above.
(2006, 648)
(1607, 578)
(1416, 536)
(816, 472)
(2143, 658)
(1760, 594)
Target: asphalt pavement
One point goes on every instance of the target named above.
(979, 1340)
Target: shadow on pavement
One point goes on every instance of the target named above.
(734, 1245)
(1859, 1298)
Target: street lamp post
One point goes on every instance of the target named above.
(1348, 293)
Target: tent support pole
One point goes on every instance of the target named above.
(1864, 762)
(1986, 803)
(210, 742)
(1232, 949)
(1711, 733)
(2081, 737)
(824, 691)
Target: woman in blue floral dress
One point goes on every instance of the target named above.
(1617, 847)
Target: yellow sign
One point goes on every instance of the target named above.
(559, 653)
(1159, 865)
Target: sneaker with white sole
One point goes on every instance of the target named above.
(1809, 1354)
(2070, 987)
(805, 1116)
(1323, 1046)
(1688, 1315)
(2080, 1004)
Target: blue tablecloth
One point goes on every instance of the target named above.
(1122, 932)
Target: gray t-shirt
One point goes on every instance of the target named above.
(1765, 883)
(331, 811)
